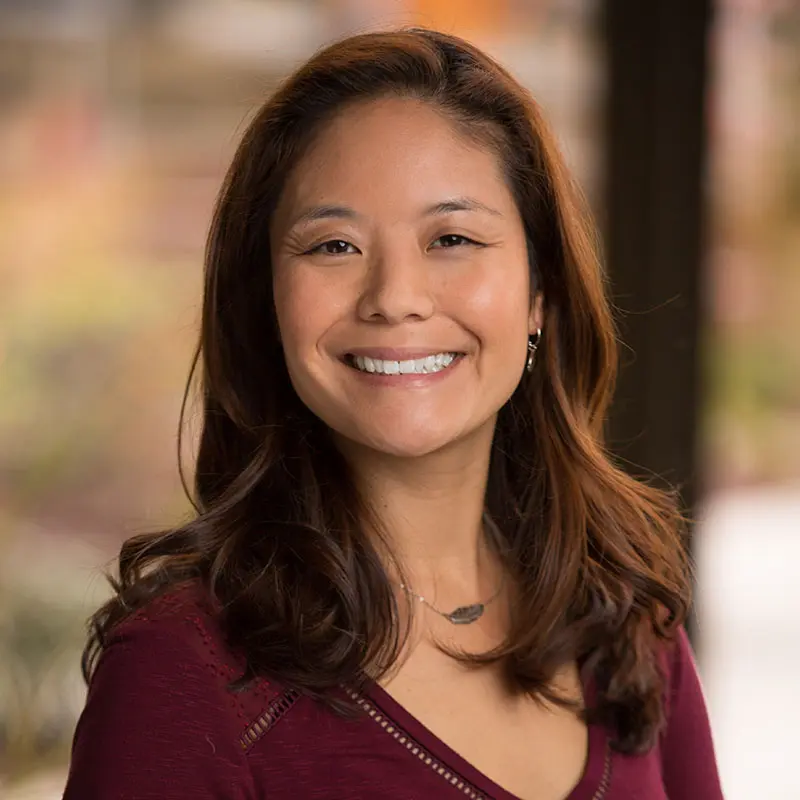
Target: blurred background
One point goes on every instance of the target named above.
(117, 121)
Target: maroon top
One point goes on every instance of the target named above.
(160, 724)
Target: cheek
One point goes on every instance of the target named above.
(305, 306)
(495, 302)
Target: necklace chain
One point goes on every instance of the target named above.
(463, 615)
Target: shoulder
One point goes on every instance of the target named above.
(180, 631)
(680, 671)
(187, 609)
(160, 695)
(170, 660)
(185, 616)
(688, 759)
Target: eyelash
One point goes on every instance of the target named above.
(465, 240)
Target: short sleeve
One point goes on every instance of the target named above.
(689, 766)
(157, 723)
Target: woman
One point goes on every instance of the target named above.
(414, 572)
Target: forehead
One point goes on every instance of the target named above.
(401, 146)
(400, 116)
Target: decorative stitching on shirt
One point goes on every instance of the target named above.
(414, 747)
(217, 665)
(275, 711)
(605, 780)
(450, 775)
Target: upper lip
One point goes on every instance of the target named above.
(398, 353)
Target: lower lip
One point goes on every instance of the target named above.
(406, 380)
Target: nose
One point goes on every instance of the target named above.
(397, 289)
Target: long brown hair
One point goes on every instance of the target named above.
(278, 536)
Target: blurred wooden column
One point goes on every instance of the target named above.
(654, 213)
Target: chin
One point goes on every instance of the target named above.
(397, 442)
(407, 449)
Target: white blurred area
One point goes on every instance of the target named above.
(748, 608)
(117, 119)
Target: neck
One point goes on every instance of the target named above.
(430, 510)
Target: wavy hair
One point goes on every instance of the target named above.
(597, 558)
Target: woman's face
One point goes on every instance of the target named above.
(401, 281)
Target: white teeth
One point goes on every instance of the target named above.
(422, 366)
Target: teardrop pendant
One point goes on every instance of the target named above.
(463, 615)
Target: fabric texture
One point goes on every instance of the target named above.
(160, 723)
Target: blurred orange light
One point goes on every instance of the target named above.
(459, 16)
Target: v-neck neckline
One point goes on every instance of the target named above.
(587, 788)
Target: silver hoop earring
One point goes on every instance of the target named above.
(533, 346)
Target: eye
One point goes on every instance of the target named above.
(333, 247)
(454, 240)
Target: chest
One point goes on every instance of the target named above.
(391, 753)
(534, 751)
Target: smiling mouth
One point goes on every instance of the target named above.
(436, 362)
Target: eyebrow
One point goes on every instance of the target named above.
(326, 212)
(345, 212)
(461, 204)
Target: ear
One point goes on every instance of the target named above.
(536, 316)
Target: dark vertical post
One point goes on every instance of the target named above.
(654, 211)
